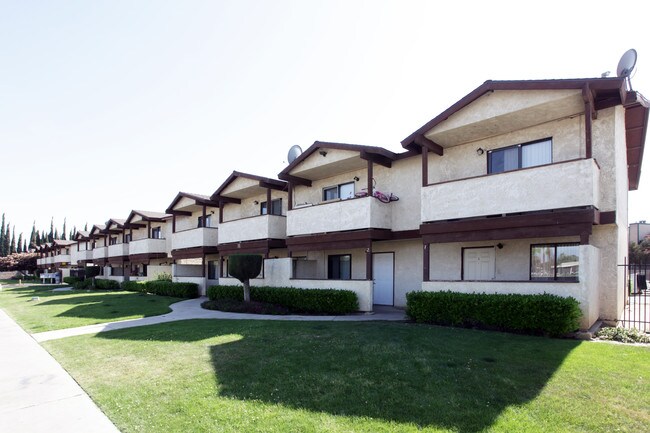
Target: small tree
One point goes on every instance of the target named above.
(244, 267)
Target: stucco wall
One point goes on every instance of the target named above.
(462, 161)
(248, 208)
(191, 222)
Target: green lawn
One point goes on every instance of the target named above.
(265, 376)
(58, 310)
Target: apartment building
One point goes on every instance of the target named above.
(518, 187)
(639, 231)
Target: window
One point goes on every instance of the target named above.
(276, 207)
(343, 192)
(112, 241)
(156, 233)
(127, 238)
(520, 156)
(554, 262)
(208, 221)
(213, 266)
(339, 267)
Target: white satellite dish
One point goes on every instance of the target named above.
(294, 153)
(626, 64)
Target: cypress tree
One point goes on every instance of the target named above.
(32, 238)
(63, 231)
(12, 243)
(50, 236)
(86, 227)
(19, 244)
(43, 237)
(56, 234)
(7, 240)
(25, 246)
(2, 238)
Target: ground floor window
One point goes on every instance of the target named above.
(554, 262)
(339, 267)
(213, 265)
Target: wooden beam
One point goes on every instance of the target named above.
(579, 229)
(370, 177)
(223, 199)
(422, 141)
(295, 179)
(379, 159)
(425, 262)
(425, 166)
(271, 186)
(180, 213)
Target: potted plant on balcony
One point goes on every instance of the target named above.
(244, 267)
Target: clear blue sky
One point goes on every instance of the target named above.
(108, 106)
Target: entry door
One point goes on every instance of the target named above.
(382, 274)
(478, 264)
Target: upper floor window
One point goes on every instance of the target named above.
(276, 207)
(127, 238)
(342, 191)
(156, 233)
(555, 262)
(112, 240)
(208, 221)
(520, 156)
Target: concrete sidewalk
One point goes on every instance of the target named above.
(37, 394)
(191, 309)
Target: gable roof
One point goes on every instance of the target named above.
(81, 235)
(146, 216)
(604, 92)
(263, 182)
(97, 230)
(199, 199)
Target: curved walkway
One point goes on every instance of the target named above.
(191, 309)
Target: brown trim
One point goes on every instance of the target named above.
(194, 252)
(290, 193)
(378, 159)
(370, 185)
(295, 179)
(198, 200)
(589, 116)
(251, 247)
(608, 217)
(174, 213)
(636, 125)
(272, 186)
(426, 261)
(141, 258)
(117, 259)
(425, 166)
(425, 143)
(368, 263)
(223, 200)
(269, 183)
(173, 223)
(298, 243)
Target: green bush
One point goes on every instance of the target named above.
(164, 276)
(102, 284)
(623, 335)
(312, 301)
(134, 286)
(71, 280)
(83, 284)
(531, 314)
(163, 288)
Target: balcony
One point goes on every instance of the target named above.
(62, 258)
(353, 214)
(40, 262)
(99, 253)
(258, 227)
(118, 250)
(553, 186)
(85, 256)
(199, 237)
(147, 246)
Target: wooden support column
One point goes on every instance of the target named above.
(174, 223)
(269, 209)
(590, 115)
(370, 175)
(425, 166)
(369, 261)
(221, 260)
(425, 262)
(204, 216)
(148, 229)
(203, 264)
(220, 212)
(290, 191)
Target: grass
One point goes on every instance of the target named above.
(268, 376)
(58, 310)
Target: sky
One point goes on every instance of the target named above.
(109, 106)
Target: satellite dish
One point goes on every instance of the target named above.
(626, 64)
(294, 153)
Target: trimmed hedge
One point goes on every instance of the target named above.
(313, 301)
(102, 284)
(163, 288)
(71, 280)
(83, 284)
(531, 314)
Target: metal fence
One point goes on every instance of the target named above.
(637, 297)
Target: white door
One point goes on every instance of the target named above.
(382, 275)
(478, 264)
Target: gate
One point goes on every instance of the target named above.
(637, 297)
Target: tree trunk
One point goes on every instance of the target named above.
(247, 291)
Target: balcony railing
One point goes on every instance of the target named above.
(118, 250)
(199, 237)
(62, 258)
(353, 214)
(553, 186)
(99, 253)
(147, 246)
(258, 227)
(84, 255)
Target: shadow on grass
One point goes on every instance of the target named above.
(405, 373)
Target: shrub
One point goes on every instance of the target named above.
(92, 271)
(106, 284)
(167, 288)
(531, 314)
(71, 280)
(164, 276)
(623, 335)
(252, 307)
(134, 286)
(244, 267)
(82, 285)
(312, 301)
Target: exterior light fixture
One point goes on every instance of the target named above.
(356, 178)
(480, 151)
(323, 153)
